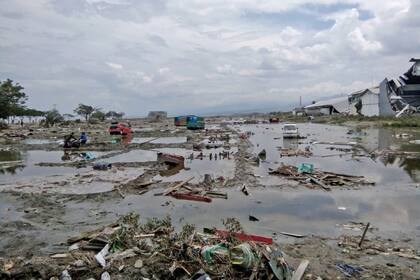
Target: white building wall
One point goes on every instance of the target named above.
(370, 104)
(325, 111)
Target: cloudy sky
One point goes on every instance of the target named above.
(202, 55)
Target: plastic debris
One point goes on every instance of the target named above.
(349, 270)
(105, 276)
(242, 255)
(100, 257)
(65, 275)
(102, 166)
(208, 252)
(305, 168)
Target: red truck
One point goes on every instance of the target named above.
(119, 129)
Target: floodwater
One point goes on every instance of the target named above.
(134, 156)
(160, 140)
(29, 168)
(391, 205)
(198, 167)
(303, 212)
(384, 171)
(33, 141)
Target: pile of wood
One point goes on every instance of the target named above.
(182, 191)
(319, 178)
(294, 153)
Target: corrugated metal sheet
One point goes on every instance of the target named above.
(341, 104)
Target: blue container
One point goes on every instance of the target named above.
(194, 122)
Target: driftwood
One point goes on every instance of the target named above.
(320, 178)
(300, 271)
(294, 153)
(177, 186)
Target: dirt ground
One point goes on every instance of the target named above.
(48, 200)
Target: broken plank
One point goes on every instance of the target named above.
(342, 175)
(318, 182)
(190, 196)
(177, 186)
(292, 234)
(300, 271)
(217, 194)
(240, 236)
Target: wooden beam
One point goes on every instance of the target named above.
(300, 271)
(177, 186)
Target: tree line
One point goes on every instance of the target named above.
(13, 100)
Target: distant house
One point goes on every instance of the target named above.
(298, 111)
(338, 105)
(157, 115)
(367, 99)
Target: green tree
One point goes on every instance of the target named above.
(99, 115)
(85, 111)
(12, 98)
(69, 116)
(113, 114)
(30, 113)
(52, 117)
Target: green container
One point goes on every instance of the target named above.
(305, 168)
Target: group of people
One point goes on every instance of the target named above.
(215, 156)
(70, 141)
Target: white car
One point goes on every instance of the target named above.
(290, 131)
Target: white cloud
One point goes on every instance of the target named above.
(114, 65)
(200, 53)
(359, 41)
(164, 70)
(225, 69)
(147, 79)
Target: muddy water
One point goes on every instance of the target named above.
(391, 206)
(32, 141)
(160, 140)
(395, 171)
(29, 169)
(198, 167)
(134, 156)
(304, 212)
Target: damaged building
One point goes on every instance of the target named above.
(371, 102)
(391, 98)
(408, 85)
(338, 105)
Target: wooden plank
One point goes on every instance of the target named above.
(190, 196)
(177, 186)
(240, 236)
(217, 194)
(342, 175)
(292, 234)
(300, 271)
(318, 182)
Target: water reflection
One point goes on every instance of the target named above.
(15, 164)
(382, 170)
(11, 161)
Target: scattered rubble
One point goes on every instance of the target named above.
(170, 178)
(317, 178)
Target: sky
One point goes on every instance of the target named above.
(202, 56)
